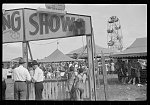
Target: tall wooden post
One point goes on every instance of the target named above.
(25, 53)
(104, 77)
(95, 65)
(91, 68)
(24, 44)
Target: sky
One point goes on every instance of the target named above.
(133, 21)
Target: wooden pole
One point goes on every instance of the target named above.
(91, 68)
(95, 63)
(30, 51)
(104, 77)
(24, 44)
(25, 51)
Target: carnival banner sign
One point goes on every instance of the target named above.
(39, 26)
(12, 26)
(29, 25)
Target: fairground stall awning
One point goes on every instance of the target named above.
(137, 49)
(78, 51)
(56, 56)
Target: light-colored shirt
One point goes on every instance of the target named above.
(21, 74)
(106, 67)
(62, 73)
(31, 73)
(112, 66)
(4, 74)
(38, 75)
(82, 76)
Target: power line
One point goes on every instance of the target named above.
(45, 43)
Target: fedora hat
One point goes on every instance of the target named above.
(21, 61)
(34, 62)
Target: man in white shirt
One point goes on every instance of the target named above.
(38, 79)
(20, 76)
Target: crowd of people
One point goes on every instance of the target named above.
(129, 71)
(73, 72)
(76, 73)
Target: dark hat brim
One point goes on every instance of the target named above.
(22, 62)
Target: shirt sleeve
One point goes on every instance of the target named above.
(28, 77)
(4, 74)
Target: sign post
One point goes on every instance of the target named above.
(91, 68)
(95, 66)
(104, 77)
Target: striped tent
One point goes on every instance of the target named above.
(137, 49)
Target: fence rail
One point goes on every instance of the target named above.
(55, 90)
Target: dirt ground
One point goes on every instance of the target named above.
(116, 91)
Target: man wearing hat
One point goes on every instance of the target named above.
(38, 79)
(20, 76)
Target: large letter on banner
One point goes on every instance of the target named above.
(12, 26)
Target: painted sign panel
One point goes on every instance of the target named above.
(12, 26)
(55, 6)
(40, 26)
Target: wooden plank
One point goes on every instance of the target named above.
(56, 90)
(63, 88)
(58, 97)
(60, 85)
(46, 95)
(49, 90)
(87, 89)
(52, 85)
(105, 77)
(91, 67)
(43, 93)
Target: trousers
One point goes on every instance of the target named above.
(38, 90)
(20, 90)
(3, 89)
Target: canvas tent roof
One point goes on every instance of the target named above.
(136, 49)
(106, 51)
(17, 59)
(56, 56)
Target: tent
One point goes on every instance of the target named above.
(137, 49)
(56, 56)
(17, 59)
(106, 51)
